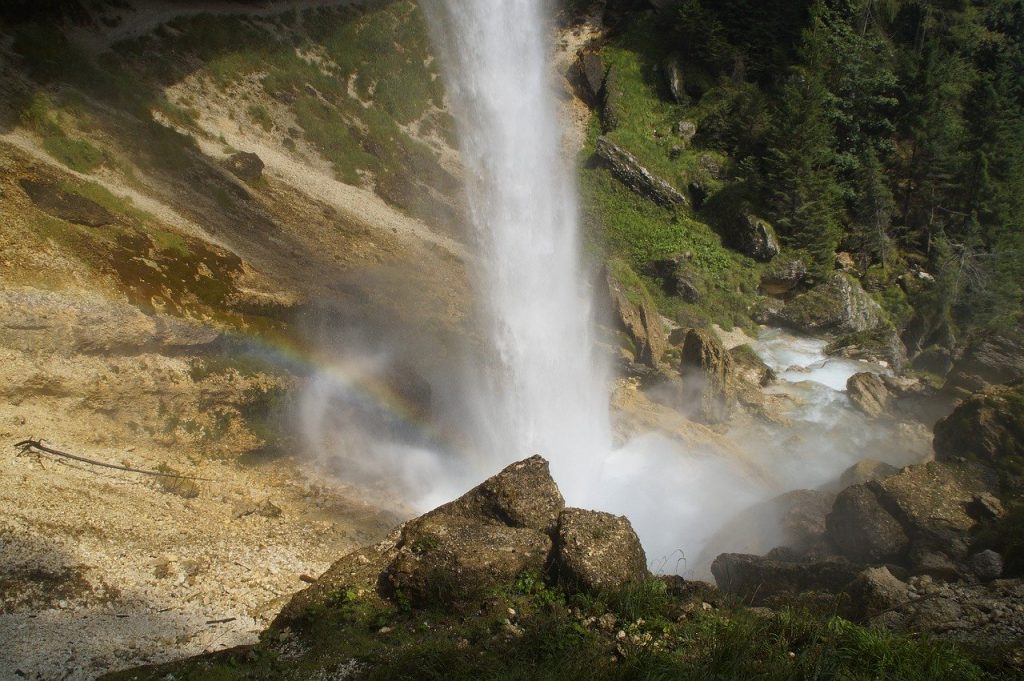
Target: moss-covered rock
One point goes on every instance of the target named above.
(838, 305)
(879, 344)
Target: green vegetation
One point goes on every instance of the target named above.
(259, 113)
(550, 635)
(892, 131)
(75, 153)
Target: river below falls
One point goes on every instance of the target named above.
(716, 505)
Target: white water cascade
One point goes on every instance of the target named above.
(548, 393)
(542, 386)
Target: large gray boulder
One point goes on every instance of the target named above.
(991, 360)
(632, 173)
(752, 236)
(522, 495)
(598, 551)
(918, 518)
(839, 305)
(512, 523)
(875, 591)
(450, 559)
(930, 501)
(636, 315)
(863, 530)
(869, 394)
(704, 368)
(757, 579)
(987, 427)
(783, 276)
(866, 470)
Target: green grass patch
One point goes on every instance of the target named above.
(621, 223)
(44, 119)
(332, 135)
(261, 116)
(555, 636)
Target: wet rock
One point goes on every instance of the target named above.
(985, 507)
(869, 394)
(749, 368)
(637, 316)
(874, 591)
(757, 579)
(930, 502)
(925, 561)
(866, 470)
(246, 166)
(484, 538)
(598, 551)
(987, 565)
(628, 170)
(863, 530)
(704, 369)
(53, 200)
(839, 305)
(988, 427)
(992, 360)
(782, 276)
(803, 516)
(881, 345)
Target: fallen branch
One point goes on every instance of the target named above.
(37, 445)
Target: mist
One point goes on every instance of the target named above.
(537, 381)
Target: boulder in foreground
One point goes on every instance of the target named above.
(480, 543)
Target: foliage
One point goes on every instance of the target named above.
(540, 633)
(77, 154)
(891, 129)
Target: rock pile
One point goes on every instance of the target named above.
(513, 523)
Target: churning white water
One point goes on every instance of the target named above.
(547, 391)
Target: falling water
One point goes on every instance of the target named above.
(549, 392)
(543, 387)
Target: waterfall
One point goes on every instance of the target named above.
(547, 392)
